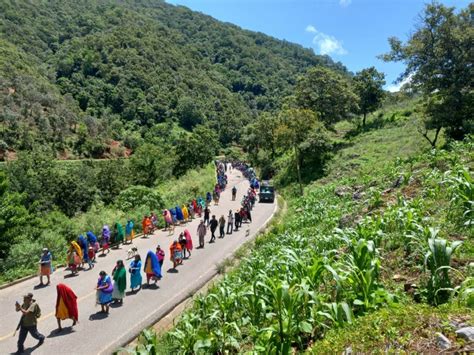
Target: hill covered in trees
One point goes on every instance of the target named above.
(92, 79)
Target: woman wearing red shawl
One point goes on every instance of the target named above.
(66, 305)
(189, 242)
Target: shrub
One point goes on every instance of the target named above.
(139, 196)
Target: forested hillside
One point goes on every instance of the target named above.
(96, 79)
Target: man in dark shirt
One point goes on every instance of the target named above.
(29, 320)
(237, 220)
(207, 213)
(213, 225)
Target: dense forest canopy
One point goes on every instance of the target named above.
(82, 76)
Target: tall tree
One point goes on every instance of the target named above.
(368, 84)
(328, 93)
(439, 62)
(296, 125)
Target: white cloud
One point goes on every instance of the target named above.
(345, 3)
(326, 44)
(398, 86)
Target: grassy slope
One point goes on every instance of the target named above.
(319, 228)
(408, 326)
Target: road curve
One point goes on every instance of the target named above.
(96, 334)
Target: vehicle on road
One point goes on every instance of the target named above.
(266, 194)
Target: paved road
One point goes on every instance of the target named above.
(97, 334)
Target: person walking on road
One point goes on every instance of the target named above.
(120, 282)
(105, 239)
(135, 274)
(182, 241)
(152, 267)
(207, 214)
(29, 321)
(201, 232)
(176, 254)
(237, 219)
(213, 226)
(230, 222)
(222, 227)
(189, 242)
(46, 267)
(66, 305)
(129, 232)
(234, 193)
(160, 254)
(104, 291)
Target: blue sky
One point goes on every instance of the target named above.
(351, 31)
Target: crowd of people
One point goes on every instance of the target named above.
(111, 287)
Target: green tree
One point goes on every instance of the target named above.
(152, 164)
(328, 93)
(261, 134)
(196, 149)
(438, 59)
(296, 126)
(368, 85)
(34, 174)
(13, 216)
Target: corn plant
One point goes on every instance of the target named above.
(461, 187)
(338, 314)
(437, 261)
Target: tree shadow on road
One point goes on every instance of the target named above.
(98, 316)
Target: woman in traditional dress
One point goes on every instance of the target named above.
(66, 305)
(118, 234)
(154, 221)
(179, 214)
(105, 239)
(191, 211)
(120, 282)
(135, 274)
(176, 254)
(146, 226)
(160, 254)
(168, 219)
(173, 216)
(104, 291)
(185, 213)
(182, 243)
(82, 241)
(74, 257)
(152, 268)
(189, 242)
(129, 232)
(93, 242)
(46, 266)
(208, 198)
(196, 208)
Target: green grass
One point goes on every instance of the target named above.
(403, 328)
